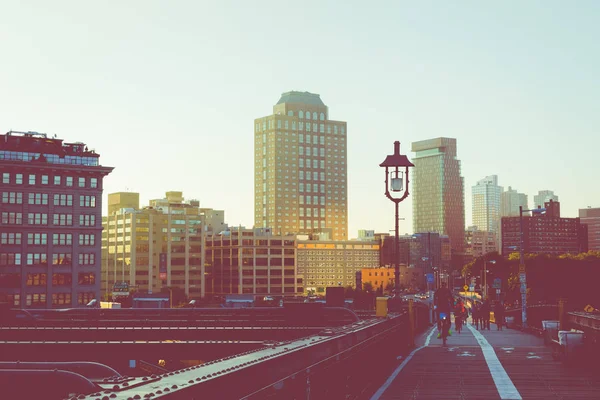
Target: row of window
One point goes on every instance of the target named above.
(58, 299)
(16, 218)
(42, 199)
(33, 179)
(58, 239)
(50, 158)
(32, 259)
(84, 278)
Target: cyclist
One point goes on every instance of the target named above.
(443, 301)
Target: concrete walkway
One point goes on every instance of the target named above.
(492, 364)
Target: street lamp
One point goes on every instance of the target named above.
(522, 274)
(485, 271)
(397, 184)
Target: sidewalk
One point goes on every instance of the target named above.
(492, 364)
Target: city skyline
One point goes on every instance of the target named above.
(145, 116)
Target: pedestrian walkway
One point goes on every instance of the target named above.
(492, 364)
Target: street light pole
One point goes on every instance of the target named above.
(522, 273)
(395, 162)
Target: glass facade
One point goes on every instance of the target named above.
(486, 196)
(510, 201)
(438, 190)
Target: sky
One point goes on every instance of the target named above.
(167, 91)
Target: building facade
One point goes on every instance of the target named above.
(156, 247)
(479, 243)
(486, 195)
(300, 168)
(252, 261)
(545, 234)
(324, 263)
(543, 197)
(510, 202)
(438, 190)
(50, 228)
(591, 218)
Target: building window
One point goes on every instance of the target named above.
(63, 219)
(12, 218)
(87, 220)
(87, 201)
(38, 198)
(63, 200)
(62, 279)
(44, 179)
(36, 279)
(86, 239)
(93, 183)
(86, 278)
(85, 297)
(19, 179)
(87, 258)
(10, 258)
(37, 259)
(61, 259)
(5, 177)
(69, 181)
(12, 198)
(81, 182)
(32, 179)
(59, 299)
(37, 239)
(35, 299)
(10, 238)
(62, 239)
(57, 180)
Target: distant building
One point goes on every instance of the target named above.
(486, 195)
(51, 202)
(324, 263)
(543, 197)
(364, 234)
(545, 234)
(300, 168)
(591, 218)
(158, 246)
(479, 243)
(510, 201)
(252, 261)
(438, 190)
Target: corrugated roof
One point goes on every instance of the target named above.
(302, 98)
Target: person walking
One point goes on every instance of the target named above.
(485, 315)
(499, 315)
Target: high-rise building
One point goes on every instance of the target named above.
(50, 229)
(479, 243)
(300, 168)
(510, 202)
(545, 233)
(486, 204)
(438, 190)
(591, 217)
(155, 247)
(543, 197)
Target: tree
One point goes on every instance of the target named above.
(368, 287)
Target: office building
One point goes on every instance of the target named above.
(543, 197)
(50, 229)
(151, 249)
(324, 263)
(545, 233)
(300, 168)
(486, 196)
(510, 202)
(479, 243)
(438, 190)
(252, 261)
(591, 218)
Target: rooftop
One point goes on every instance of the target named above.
(312, 99)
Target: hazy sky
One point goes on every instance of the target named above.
(167, 91)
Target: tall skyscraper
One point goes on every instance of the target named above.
(300, 170)
(438, 190)
(510, 202)
(486, 204)
(542, 197)
(50, 229)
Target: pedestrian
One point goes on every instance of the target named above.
(499, 315)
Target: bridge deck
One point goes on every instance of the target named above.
(492, 364)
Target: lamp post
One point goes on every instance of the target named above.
(397, 184)
(522, 273)
(485, 271)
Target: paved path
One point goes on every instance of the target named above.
(492, 364)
